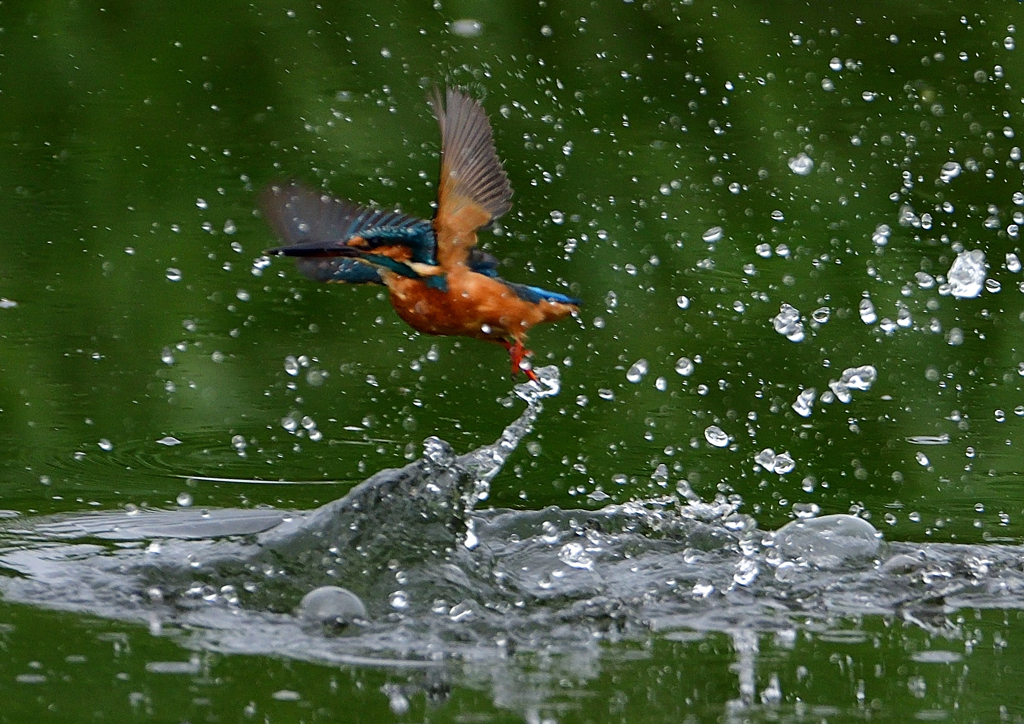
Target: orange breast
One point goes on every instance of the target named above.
(475, 305)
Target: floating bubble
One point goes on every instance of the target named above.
(331, 605)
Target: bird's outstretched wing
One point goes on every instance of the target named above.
(313, 224)
(473, 189)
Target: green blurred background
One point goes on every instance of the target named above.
(150, 347)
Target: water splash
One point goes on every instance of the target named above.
(405, 571)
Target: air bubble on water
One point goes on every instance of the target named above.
(637, 371)
(955, 337)
(821, 315)
(801, 164)
(713, 234)
(715, 436)
(967, 275)
(867, 311)
(684, 366)
(173, 275)
(605, 394)
(201, 203)
(921, 458)
(763, 250)
(169, 441)
(805, 401)
(682, 301)
(787, 323)
(230, 227)
(924, 280)
(1012, 263)
(167, 356)
(291, 365)
(184, 500)
(661, 384)
(105, 444)
(949, 171)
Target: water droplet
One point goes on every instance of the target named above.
(787, 323)
(184, 500)
(201, 203)
(805, 401)
(967, 275)
(715, 436)
(949, 171)
(801, 164)
(291, 366)
(169, 441)
(713, 234)
(867, 311)
(467, 28)
(682, 301)
(684, 366)
(105, 444)
(173, 274)
(637, 371)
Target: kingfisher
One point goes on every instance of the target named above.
(438, 280)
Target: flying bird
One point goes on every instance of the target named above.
(438, 280)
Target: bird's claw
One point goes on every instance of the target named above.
(518, 353)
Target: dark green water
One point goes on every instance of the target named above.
(134, 138)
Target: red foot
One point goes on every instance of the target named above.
(518, 353)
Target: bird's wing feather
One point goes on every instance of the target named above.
(315, 224)
(536, 295)
(473, 189)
